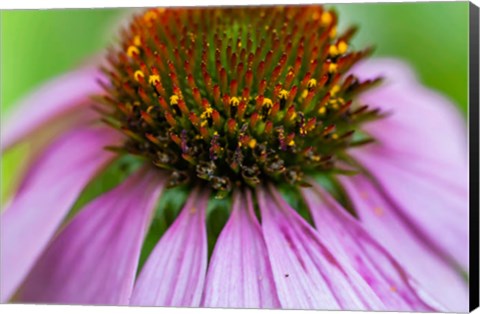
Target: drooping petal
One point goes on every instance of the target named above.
(239, 274)
(430, 204)
(306, 272)
(420, 153)
(350, 240)
(174, 274)
(94, 259)
(52, 101)
(389, 227)
(423, 124)
(50, 189)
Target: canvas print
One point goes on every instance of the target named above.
(295, 157)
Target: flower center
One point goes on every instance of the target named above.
(236, 96)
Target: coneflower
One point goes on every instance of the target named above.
(345, 179)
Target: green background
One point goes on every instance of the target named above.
(37, 45)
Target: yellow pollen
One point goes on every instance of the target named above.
(252, 143)
(174, 100)
(304, 93)
(326, 18)
(150, 15)
(138, 74)
(294, 115)
(312, 83)
(153, 79)
(335, 89)
(267, 102)
(332, 67)
(322, 110)
(342, 47)
(234, 101)
(335, 136)
(333, 32)
(132, 50)
(137, 41)
(207, 113)
(291, 143)
(333, 50)
(283, 94)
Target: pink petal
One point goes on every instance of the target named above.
(422, 124)
(306, 273)
(53, 184)
(239, 274)
(429, 204)
(53, 100)
(174, 274)
(94, 259)
(421, 153)
(391, 283)
(389, 227)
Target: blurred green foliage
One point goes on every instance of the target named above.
(38, 45)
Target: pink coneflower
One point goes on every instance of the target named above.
(345, 179)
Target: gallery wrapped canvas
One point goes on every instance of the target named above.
(291, 157)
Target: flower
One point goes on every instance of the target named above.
(346, 178)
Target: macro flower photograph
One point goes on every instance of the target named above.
(281, 157)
